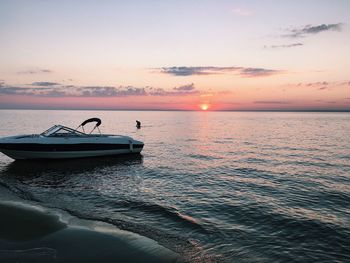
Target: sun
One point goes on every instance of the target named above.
(204, 106)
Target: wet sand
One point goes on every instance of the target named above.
(31, 234)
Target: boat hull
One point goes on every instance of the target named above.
(26, 155)
(66, 150)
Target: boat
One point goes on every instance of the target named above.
(61, 142)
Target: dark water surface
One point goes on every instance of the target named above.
(212, 186)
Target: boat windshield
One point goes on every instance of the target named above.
(61, 131)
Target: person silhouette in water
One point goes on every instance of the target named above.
(138, 124)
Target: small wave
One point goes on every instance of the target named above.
(184, 247)
(247, 170)
(223, 141)
(254, 160)
(203, 157)
(20, 192)
(314, 164)
(191, 140)
(339, 199)
(292, 227)
(347, 157)
(168, 212)
(40, 254)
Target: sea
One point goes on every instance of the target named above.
(208, 186)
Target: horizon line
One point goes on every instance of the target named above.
(241, 110)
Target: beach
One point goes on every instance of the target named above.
(30, 233)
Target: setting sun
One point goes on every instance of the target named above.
(204, 106)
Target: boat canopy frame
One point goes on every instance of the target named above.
(98, 123)
(56, 131)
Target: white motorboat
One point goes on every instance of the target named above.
(60, 142)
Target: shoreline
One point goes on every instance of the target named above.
(32, 233)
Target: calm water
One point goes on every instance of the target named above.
(212, 186)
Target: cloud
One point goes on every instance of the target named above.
(185, 87)
(258, 72)
(325, 101)
(74, 91)
(163, 92)
(188, 71)
(242, 12)
(316, 84)
(321, 85)
(284, 46)
(44, 83)
(4, 90)
(210, 70)
(271, 102)
(96, 91)
(38, 91)
(35, 71)
(312, 30)
(184, 90)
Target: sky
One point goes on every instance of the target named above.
(175, 55)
